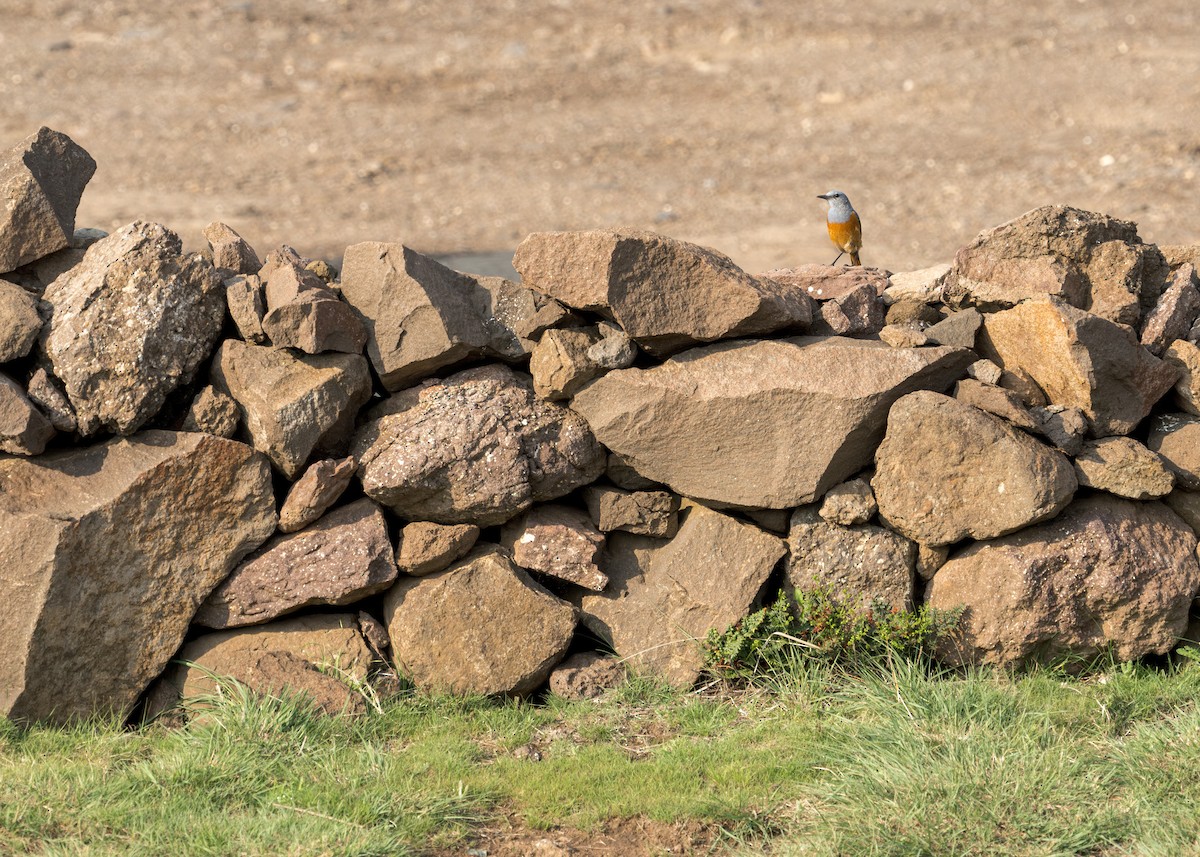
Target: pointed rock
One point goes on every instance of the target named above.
(230, 250)
(99, 585)
(24, 430)
(314, 492)
(1175, 312)
(760, 423)
(20, 323)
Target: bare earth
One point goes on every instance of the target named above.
(454, 126)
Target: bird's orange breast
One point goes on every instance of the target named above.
(847, 236)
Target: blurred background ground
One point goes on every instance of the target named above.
(458, 127)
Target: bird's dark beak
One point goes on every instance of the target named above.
(822, 196)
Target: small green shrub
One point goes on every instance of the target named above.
(817, 625)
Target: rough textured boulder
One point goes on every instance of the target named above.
(1107, 572)
(293, 404)
(557, 541)
(647, 513)
(98, 584)
(229, 250)
(1080, 360)
(1175, 312)
(666, 294)
(426, 547)
(20, 323)
(478, 448)
(1122, 466)
(41, 181)
(129, 324)
(342, 558)
(1176, 438)
(496, 630)
(587, 675)
(850, 503)
(1065, 428)
(302, 656)
(759, 423)
(947, 471)
(664, 596)
(213, 412)
(314, 492)
(24, 430)
(1091, 261)
(861, 564)
(564, 361)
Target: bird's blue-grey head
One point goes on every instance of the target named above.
(840, 208)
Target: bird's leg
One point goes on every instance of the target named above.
(839, 255)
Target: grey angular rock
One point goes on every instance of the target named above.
(947, 471)
(985, 371)
(1176, 438)
(1122, 466)
(343, 557)
(861, 565)
(230, 250)
(959, 329)
(1108, 572)
(666, 294)
(100, 585)
(1091, 261)
(478, 448)
(646, 513)
(760, 423)
(426, 547)
(24, 430)
(557, 541)
(41, 181)
(20, 322)
(1175, 312)
(664, 596)
(293, 405)
(129, 324)
(498, 631)
(291, 656)
(1080, 360)
(213, 412)
(315, 491)
(849, 503)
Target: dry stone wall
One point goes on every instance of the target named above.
(212, 464)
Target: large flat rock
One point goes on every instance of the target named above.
(761, 423)
(105, 554)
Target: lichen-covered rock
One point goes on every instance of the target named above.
(212, 411)
(1107, 572)
(557, 541)
(478, 447)
(850, 503)
(1122, 466)
(129, 324)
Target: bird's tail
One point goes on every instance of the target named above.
(854, 258)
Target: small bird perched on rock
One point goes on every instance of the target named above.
(845, 230)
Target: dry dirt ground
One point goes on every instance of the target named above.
(462, 126)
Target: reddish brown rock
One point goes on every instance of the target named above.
(666, 294)
(98, 584)
(481, 626)
(292, 405)
(998, 401)
(285, 277)
(426, 547)
(862, 565)
(947, 471)
(314, 492)
(1184, 356)
(1175, 312)
(41, 181)
(557, 541)
(1080, 360)
(1185, 504)
(247, 307)
(316, 321)
(665, 596)
(1176, 438)
(848, 504)
(1122, 466)
(564, 361)
(1107, 573)
(20, 323)
(478, 447)
(229, 250)
(587, 675)
(310, 656)
(212, 411)
(24, 430)
(129, 324)
(760, 423)
(342, 558)
(859, 312)
(1065, 428)
(647, 513)
(829, 282)
(1091, 261)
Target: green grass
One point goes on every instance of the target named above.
(892, 759)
